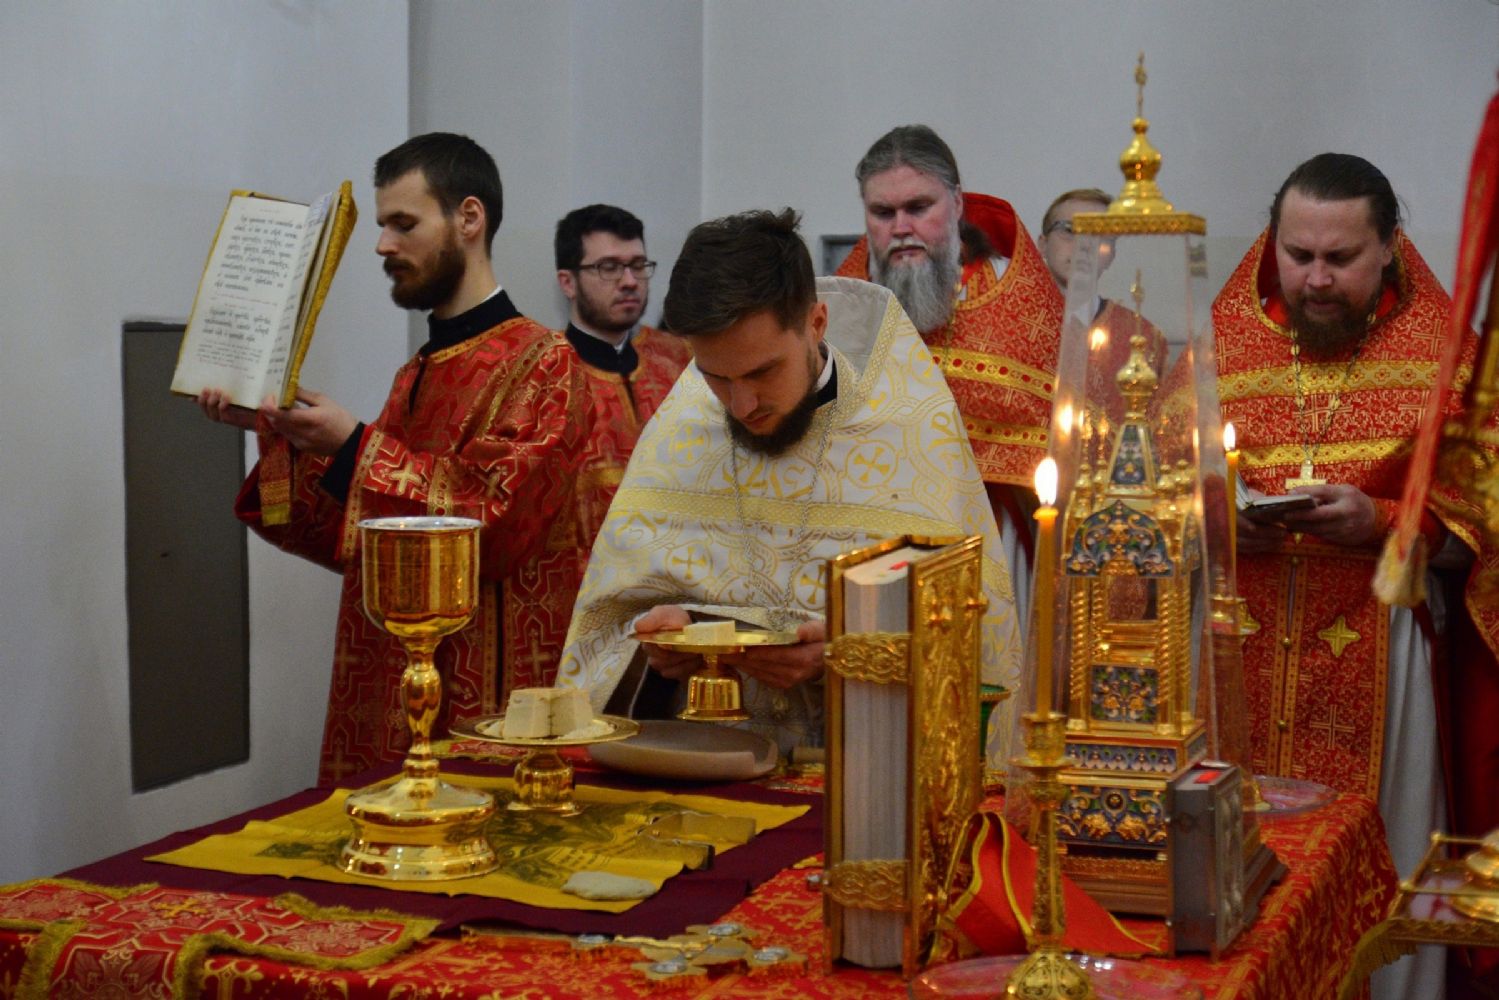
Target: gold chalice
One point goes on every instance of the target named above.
(421, 582)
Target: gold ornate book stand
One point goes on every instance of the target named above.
(903, 769)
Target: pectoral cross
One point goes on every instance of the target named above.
(1306, 478)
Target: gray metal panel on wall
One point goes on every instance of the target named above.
(186, 575)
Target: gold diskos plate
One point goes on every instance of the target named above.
(488, 728)
(743, 638)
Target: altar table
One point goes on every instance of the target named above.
(1339, 885)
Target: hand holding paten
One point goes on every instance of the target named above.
(785, 666)
(673, 664)
(1344, 515)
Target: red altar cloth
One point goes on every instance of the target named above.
(1339, 884)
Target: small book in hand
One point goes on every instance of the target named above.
(1266, 509)
(267, 275)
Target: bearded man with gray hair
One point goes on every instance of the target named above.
(972, 281)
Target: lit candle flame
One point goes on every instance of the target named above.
(1098, 338)
(1230, 440)
(1046, 481)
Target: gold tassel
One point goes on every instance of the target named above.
(1399, 580)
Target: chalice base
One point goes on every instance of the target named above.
(1111, 978)
(418, 830)
(713, 697)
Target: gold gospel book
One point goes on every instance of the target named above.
(268, 272)
(904, 621)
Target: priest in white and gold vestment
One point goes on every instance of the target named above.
(812, 421)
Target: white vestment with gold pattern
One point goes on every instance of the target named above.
(889, 456)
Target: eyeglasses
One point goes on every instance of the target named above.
(1065, 226)
(610, 269)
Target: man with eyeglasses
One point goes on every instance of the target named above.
(1113, 322)
(487, 421)
(603, 270)
(968, 275)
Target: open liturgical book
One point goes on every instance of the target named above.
(268, 272)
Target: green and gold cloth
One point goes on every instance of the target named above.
(538, 851)
(889, 456)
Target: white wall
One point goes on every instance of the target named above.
(125, 125)
(579, 102)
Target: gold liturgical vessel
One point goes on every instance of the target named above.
(421, 582)
(712, 694)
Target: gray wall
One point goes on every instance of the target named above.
(580, 102)
(125, 124)
(1036, 97)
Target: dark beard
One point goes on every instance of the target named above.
(793, 428)
(597, 319)
(439, 286)
(1327, 337)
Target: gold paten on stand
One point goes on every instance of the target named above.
(543, 780)
(1047, 974)
(421, 582)
(713, 694)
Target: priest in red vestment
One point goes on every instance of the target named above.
(604, 272)
(487, 421)
(1327, 340)
(967, 273)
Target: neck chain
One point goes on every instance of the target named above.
(1308, 446)
(782, 617)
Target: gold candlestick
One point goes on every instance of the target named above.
(1047, 973)
(421, 582)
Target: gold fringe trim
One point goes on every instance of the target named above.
(41, 958)
(53, 936)
(1376, 949)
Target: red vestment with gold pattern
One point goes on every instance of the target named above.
(621, 406)
(999, 351)
(1121, 323)
(492, 428)
(1316, 668)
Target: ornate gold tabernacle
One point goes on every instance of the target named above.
(1130, 552)
(1144, 572)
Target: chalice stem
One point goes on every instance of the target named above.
(421, 686)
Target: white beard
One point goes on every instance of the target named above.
(925, 289)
